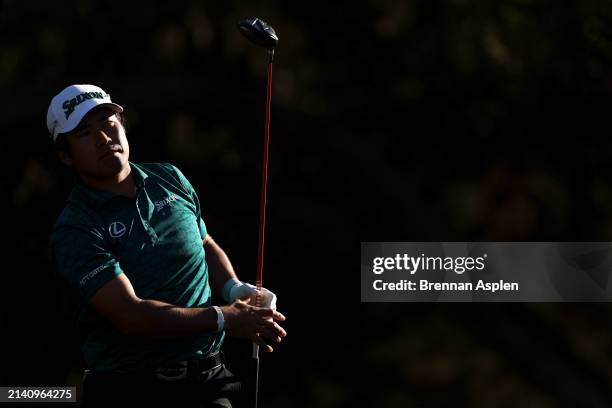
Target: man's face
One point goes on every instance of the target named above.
(98, 145)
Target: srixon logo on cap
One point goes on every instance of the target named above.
(70, 104)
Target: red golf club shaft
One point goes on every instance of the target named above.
(262, 222)
(264, 180)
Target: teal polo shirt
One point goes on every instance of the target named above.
(155, 239)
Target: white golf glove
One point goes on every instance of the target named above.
(235, 289)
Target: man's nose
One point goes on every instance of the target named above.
(102, 138)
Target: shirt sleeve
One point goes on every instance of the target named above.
(80, 256)
(203, 231)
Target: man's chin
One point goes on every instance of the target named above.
(111, 166)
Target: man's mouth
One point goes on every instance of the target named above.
(110, 150)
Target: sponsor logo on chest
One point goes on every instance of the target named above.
(116, 229)
(165, 202)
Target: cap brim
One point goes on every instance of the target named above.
(84, 110)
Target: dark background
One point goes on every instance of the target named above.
(392, 121)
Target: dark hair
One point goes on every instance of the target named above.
(61, 141)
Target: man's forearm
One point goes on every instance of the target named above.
(153, 318)
(220, 269)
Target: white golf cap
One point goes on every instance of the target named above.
(68, 107)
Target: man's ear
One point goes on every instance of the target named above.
(64, 157)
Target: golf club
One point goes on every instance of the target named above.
(260, 33)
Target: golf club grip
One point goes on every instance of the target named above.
(255, 374)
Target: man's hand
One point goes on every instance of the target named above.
(235, 289)
(267, 299)
(253, 323)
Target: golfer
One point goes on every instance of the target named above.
(132, 245)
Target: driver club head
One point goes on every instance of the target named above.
(259, 32)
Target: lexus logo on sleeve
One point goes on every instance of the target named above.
(116, 229)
